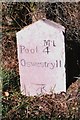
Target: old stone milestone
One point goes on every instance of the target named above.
(41, 55)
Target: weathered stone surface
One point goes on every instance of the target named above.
(41, 55)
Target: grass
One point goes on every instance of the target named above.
(0, 98)
(16, 106)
